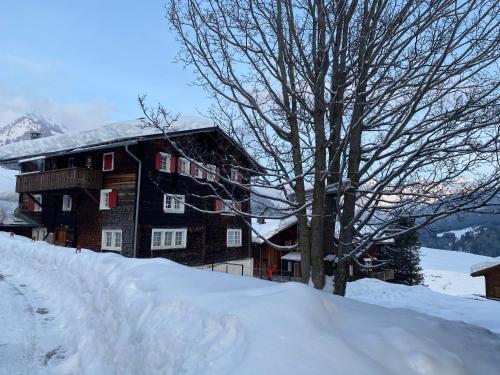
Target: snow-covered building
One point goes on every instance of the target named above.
(126, 188)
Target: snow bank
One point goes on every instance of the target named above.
(448, 271)
(477, 311)
(154, 316)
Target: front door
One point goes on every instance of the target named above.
(60, 237)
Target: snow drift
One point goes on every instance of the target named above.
(124, 316)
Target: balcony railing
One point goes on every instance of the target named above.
(69, 178)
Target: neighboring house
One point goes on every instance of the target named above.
(491, 273)
(285, 263)
(124, 188)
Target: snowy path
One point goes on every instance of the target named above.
(17, 340)
(26, 330)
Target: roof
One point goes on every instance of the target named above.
(293, 256)
(107, 134)
(481, 268)
(270, 228)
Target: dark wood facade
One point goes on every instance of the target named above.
(81, 176)
(492, 280)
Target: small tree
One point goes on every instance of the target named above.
(404, 255)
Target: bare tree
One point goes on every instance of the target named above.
(381, 108)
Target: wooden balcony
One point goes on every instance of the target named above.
(59, 179)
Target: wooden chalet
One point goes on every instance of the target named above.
(491, 273)
(124, 188)
(285, 264)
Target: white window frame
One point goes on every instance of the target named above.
(37, 199)
(231, 238)
(173, 233)
(114, 233)
(212, 172)
(185, 164)
(167, 158)
(228, 205)
(112, 161)
(104, 202)
(67, 204)
(198, 171)
(234, 174)
(35, 233)
(175, 199)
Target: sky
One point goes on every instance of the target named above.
(83, 63)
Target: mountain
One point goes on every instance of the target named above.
(24, 126)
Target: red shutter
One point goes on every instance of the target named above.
(218, 205)
(158, 161)
(239, 177)
(217, 173)
(204, 172)
(107, 162)
(112, 199)
(173, 162)
(193, 169)
(31, 204)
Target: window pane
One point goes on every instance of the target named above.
(178, 238)
(168, 201)
(109, 240)
(156, 239)
(168, 239)
(118, 240)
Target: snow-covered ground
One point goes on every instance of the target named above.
(449, 291)
(448, 272)
(125, 316)
(459, 233)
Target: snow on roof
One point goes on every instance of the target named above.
(270, 228)
(293, 256)
(483, 266)
(110, 133)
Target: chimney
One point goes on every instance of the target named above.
(35, 135)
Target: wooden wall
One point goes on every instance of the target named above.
(206, 235)
(492, 279)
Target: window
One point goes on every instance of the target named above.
(351, 270)
(112, 240)
(173, 203)
(227, 207)
(212, 170)
(184, 166)
(163, 162)
(71, 162)
(108, 161)
(67, 203)
(235, 175)
(37, 207)
(108, 199)
(198, 171)
(168, 239)
(233, 237)
(38, 234)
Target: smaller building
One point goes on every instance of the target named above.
(283, 260)
(491, 273)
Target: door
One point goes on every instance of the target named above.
(60, 237)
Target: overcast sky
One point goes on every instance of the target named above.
(83, 63)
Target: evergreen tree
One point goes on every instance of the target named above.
(404, 255)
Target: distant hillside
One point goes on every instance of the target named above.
(25, 126)
(474, 232)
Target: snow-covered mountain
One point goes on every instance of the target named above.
(24, 126)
